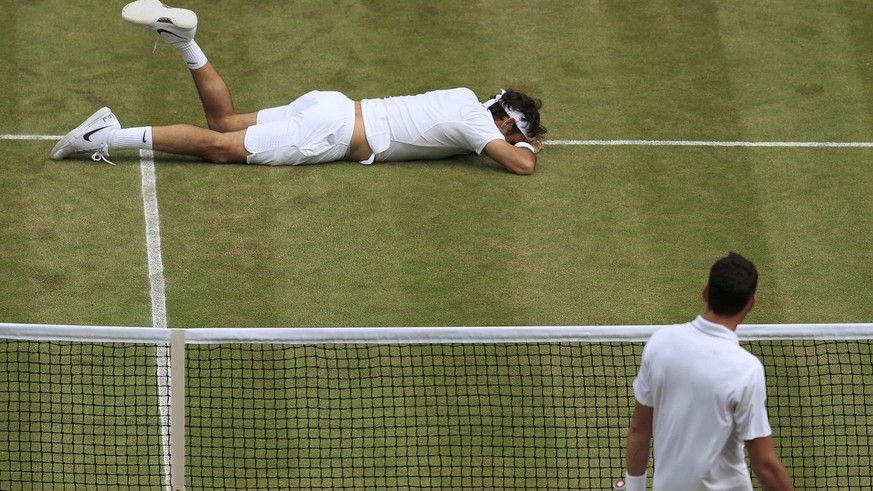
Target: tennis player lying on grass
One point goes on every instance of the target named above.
(319, 126)
(703, 397)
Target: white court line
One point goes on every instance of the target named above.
(596, 143)
(159, 301)
(698, 143)
(162, 361)
(153, 238)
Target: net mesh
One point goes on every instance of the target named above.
(479, 416)
(820, 402)
(79, 416)
(483, 415)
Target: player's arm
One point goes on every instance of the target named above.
(520, 158)
(767, 466)
(639, 438)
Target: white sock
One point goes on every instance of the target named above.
(131, 138)
(192, 54)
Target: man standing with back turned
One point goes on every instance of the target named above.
(702, 397)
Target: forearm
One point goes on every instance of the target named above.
(516, 159)
(767, 466)
(637, 452)
(523, 162)
(639, 438)
(773, 477)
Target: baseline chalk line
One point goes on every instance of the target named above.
(699, 143)
(596, 143)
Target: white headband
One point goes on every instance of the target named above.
(520, 122)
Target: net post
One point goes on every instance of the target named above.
(177, 409)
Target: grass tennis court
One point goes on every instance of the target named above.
(600, 235)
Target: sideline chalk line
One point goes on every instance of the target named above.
(153, 238)
(159, 301)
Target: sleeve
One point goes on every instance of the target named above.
(642, 383)
(750, 413)
(479, 129)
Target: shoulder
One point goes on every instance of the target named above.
(459, 95)
(747, 369)
(669, 332)
(664, 341)
(463, 92)
(750, 363)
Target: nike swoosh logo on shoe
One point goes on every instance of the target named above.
(162, 31)
(87, 135)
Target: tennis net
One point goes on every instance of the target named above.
(387, 408)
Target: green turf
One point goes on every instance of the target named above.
(600, 235)
(72, 239)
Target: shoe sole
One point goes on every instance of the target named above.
(147, 14)
(59, 151)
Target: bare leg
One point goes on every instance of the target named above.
(217, 103)
(224, 141)
(183, 139)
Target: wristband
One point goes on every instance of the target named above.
(635, 483)
(526, 145)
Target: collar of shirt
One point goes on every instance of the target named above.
(715, 330)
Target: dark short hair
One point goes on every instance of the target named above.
(526, 105)
(732, 283)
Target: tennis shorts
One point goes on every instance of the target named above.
(315, 128)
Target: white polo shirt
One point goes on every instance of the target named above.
(430, 126)
(708, 396)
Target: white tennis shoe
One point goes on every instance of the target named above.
(89, 136)
(172, 25)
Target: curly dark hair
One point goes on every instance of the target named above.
(526, 105)
(732, 283)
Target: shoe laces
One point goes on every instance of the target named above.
(101, 154)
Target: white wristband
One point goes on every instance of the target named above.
(635, 483)
(526, 145)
